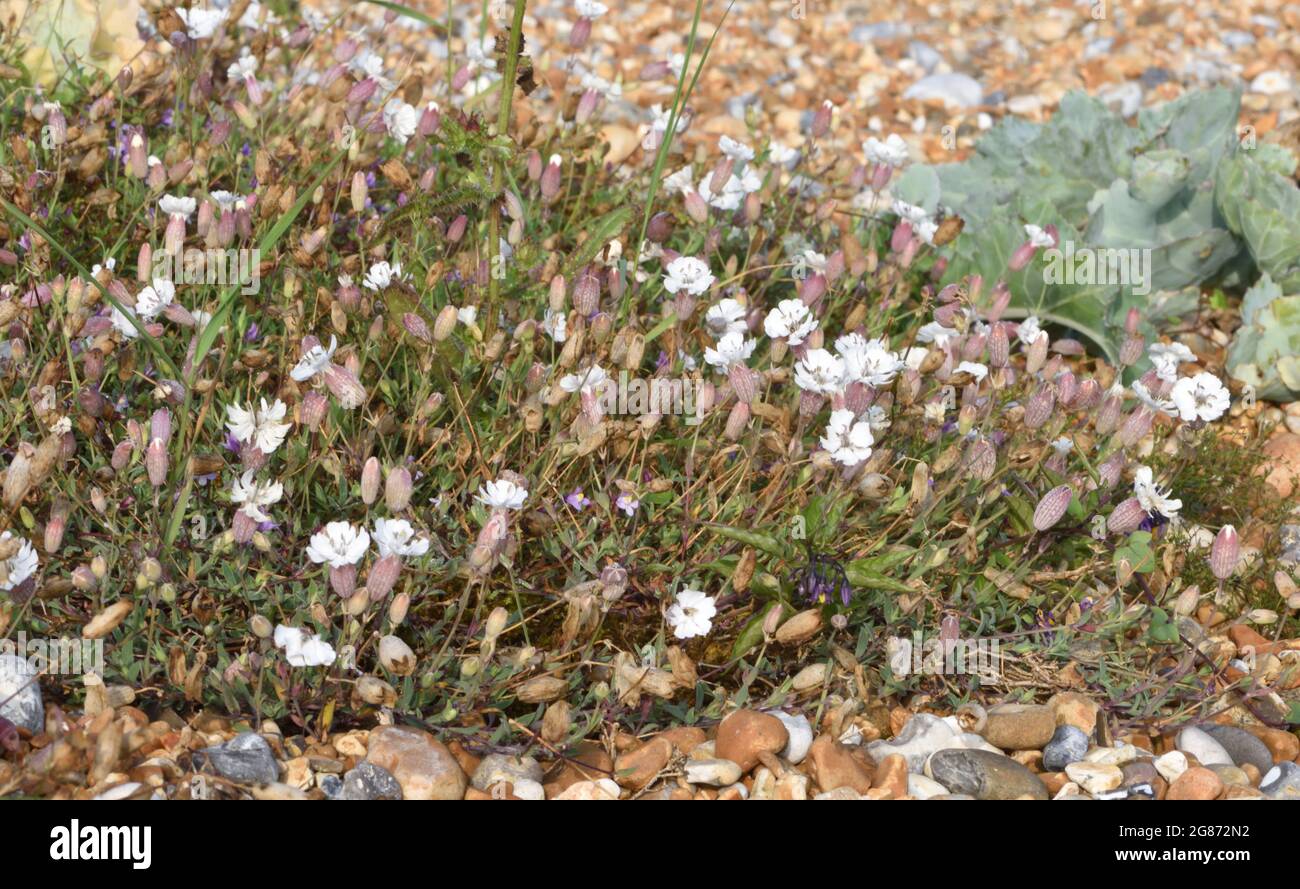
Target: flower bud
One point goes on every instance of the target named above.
(398, 607)
(155, 462)
(1126, 517)
(1036, 354)
(821, 122)
(1225, 552)
(360, 190)
(586, 294)
(1052, 507)
(344, 580)
(396, 656)
(383, 576)
(1130, 352)
(397, 490)
(260, 627)
(551, 180)
(696, 209)
(999, 346)
(737, 420)
(1039, 407)
(660, 228)
(370, 481)
(743, 382)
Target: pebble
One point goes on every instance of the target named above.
(20, 694)
(1282, 781)
(984, 775)
(922, 787)
(923, 734)
(1095, 777)
(498, 767)
(744, 734)
(591, 790)
(1020, 726)
(1197, 783)
(1171, 765)
(637, 768)
(891, 774)
(1231, 775)
(833, 765)
(1125, 98)
(1242, 746)
(801, 736)
(422, 765)
(1207, 751)
(841, 793)
(369, 781)
(1140, 773)
(1115, 756)
(1072, 708)
(924, 55)
(1271, 83)
(717, 772)
(245, 758)
(1283, 745)
(332, 786)
(956, 89)
(1068, 744)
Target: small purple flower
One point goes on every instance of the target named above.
(627, 503)
(577, 499)
(253, 332)
(232, 443)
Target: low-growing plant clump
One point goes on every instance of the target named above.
(359, 404)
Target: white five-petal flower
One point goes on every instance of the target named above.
(790, 319)
(397, 537)
(19, 566)
(339, 544)
(315, 361)
(1202, 397)
(302, 649)
(502, 494)
(259, 427)
(1154, 499)
(253, 495)
(692, 614)
(688, 273)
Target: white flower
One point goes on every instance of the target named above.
(381, 274)
(243, 68)
(926, 229)
(731, 349)
(790, 319)
(868, 361)
(727, 316)
(976, 370)
(733, 191)
(692, 614)
(683, 180)
(200, 24)
(367, 64)
(688, 273)
(936, 333)
(736, 150)
(1159, 405)
(556, 325)
(150, 302)
(339, 544)
(781, 155)
(254, 495)
(892, 152)
(589, 9)
(400, 119)
(122, 323)
(659, 126)
(302, 649)
(109, 263)
(819, 371)
(20, 566)
(814, 260)
(397, 537)
(1153, 498)
(502, 494)
(1063, 446)
(847, 441)
(877, 419)
(174, 206)
(1202, 397)
(467, 315)
(1038, 237)
(259, 427)
(593, 379)
(910, 212)
(1166, 357)
(1029, 329)
(915, 356)
(314, 362)
(227, 200)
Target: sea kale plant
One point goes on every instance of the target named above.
(339, 387)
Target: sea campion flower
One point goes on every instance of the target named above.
(245, 69)
(19, 562)
(556, 325)
(397, 537)
(791, 320)
(302, 649)
(593, 380)
(975, 369)
(253, 495)
(726, 316)
(736, 150)
(341, 546)
(1155, 403)
(821, 372)
(314, 360)
(381, 275)
(179, 211)
(1029, 330)
(201, 24)
(692, 614)
(1200, 398)
(151, 301)
(400, 120)
(890, 152)
(1154, 499)
(868, 361)
(1166, 358)
(848, 442)
(260, 428)
(502, 494)
(733, 191)
(733, 349)
(688, 273)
